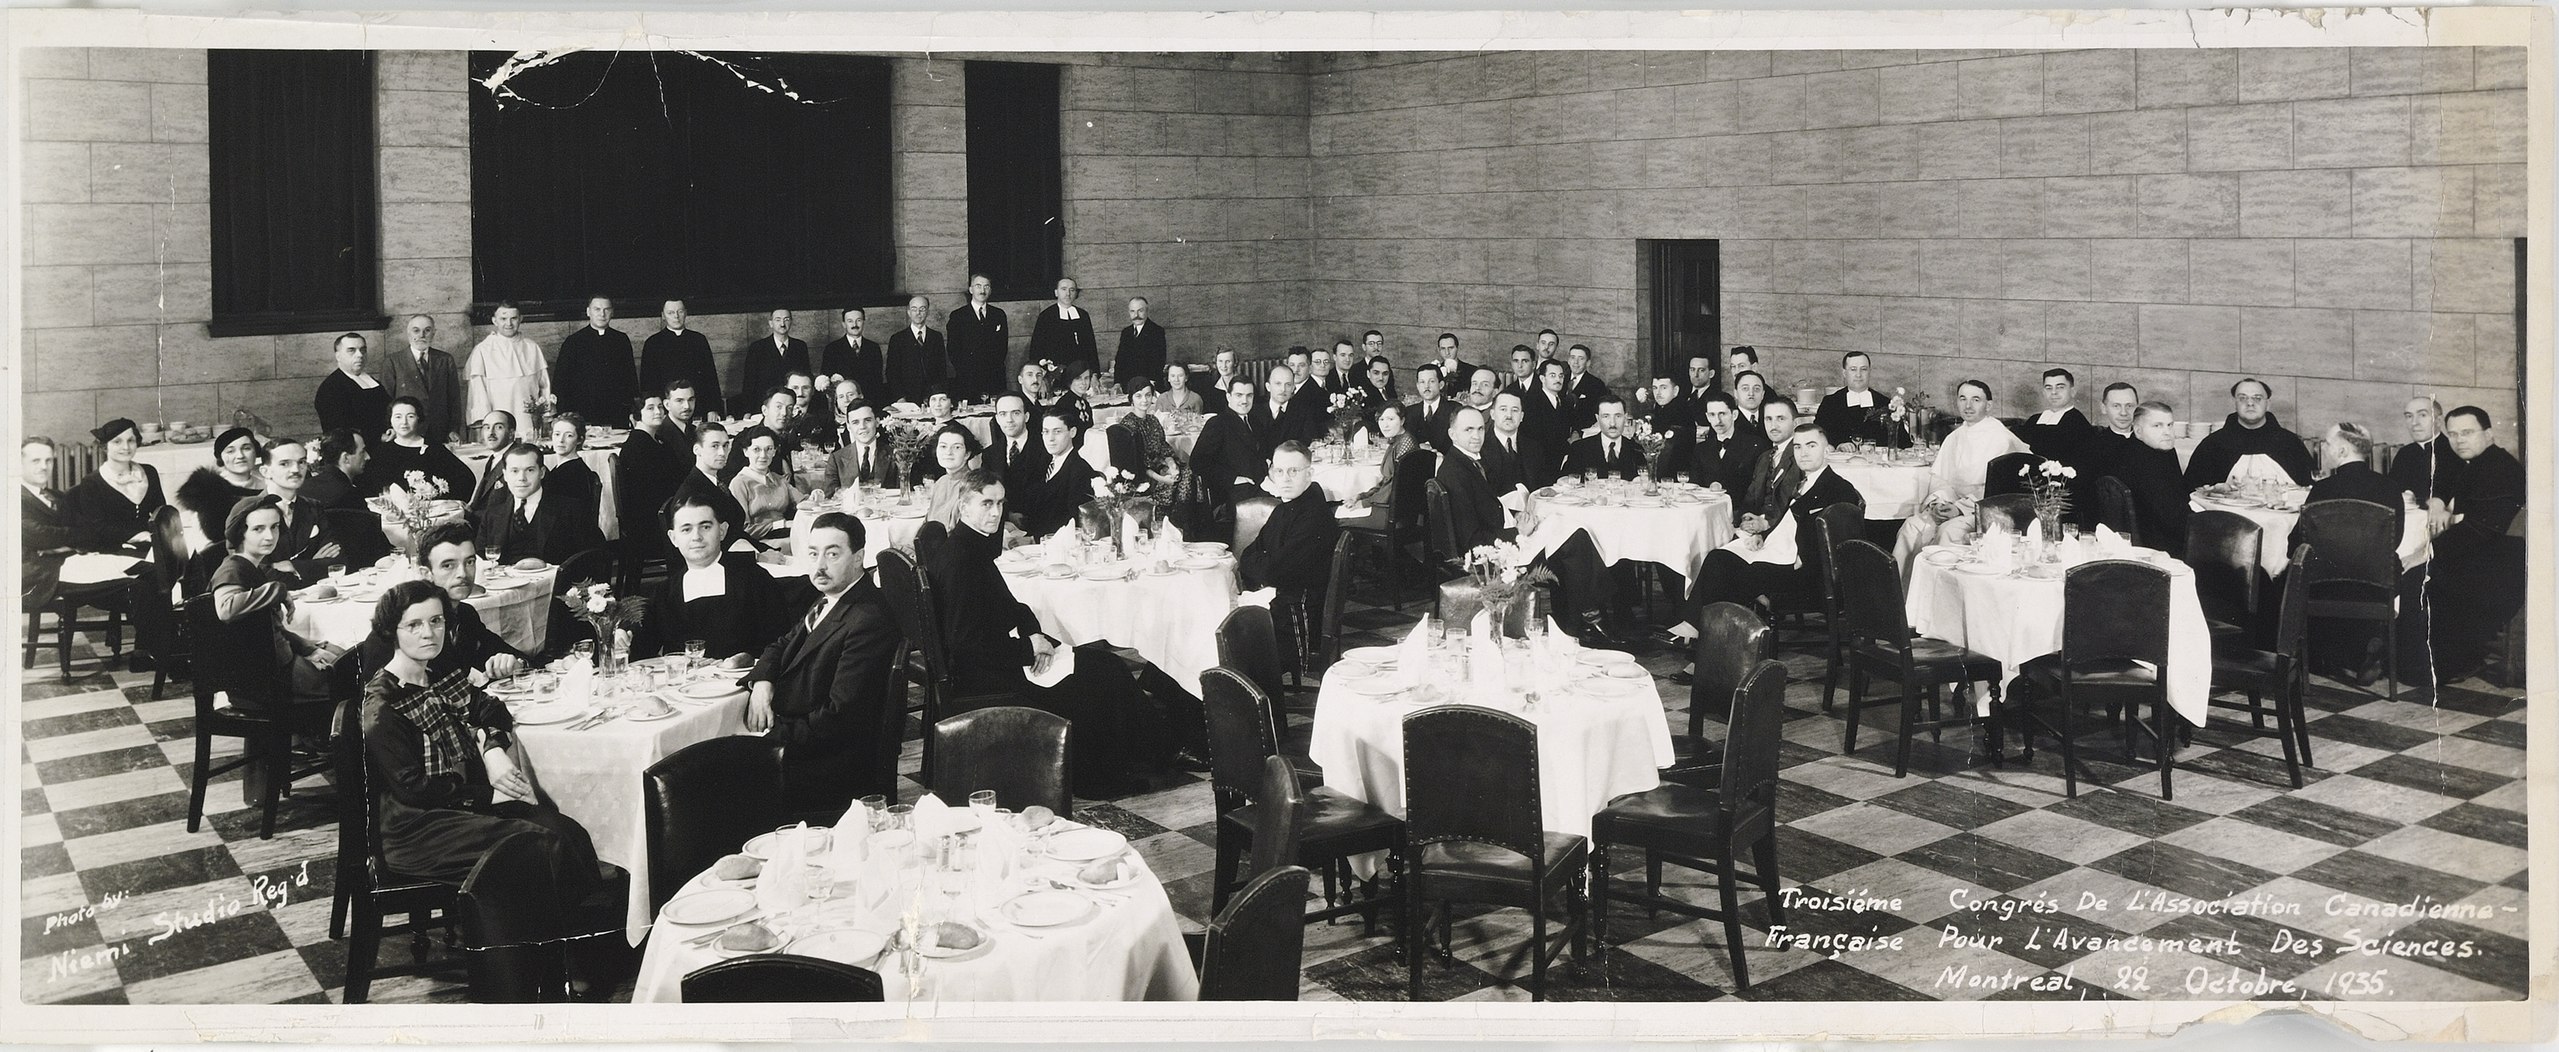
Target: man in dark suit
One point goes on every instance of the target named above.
(710, 457)
(1427, 418)
(430, 375)
(450, 558)
(1328, 376)
(1228, 449)
(2427, 463)
(1720, 450)
(1288, 414)
(2148, 469)
(764, 362)
(1295, 549)
(2478, 571)
(1453, 370)
(307, 541)
(1063, 333)
(1510, 457)
(337, 477)
(1141, 355)
(1477, 512)
(524, 520)
(47, 532)
(863, 453)
(1017, 455)
(2353, 649)
(1063, 483)
(1777, 425)
(1768, 555)
(1673, 406)
(678, 353)
(1611, 453)
(497, 431)
(596, 376)
(1585, 387)
(2059, 431)
(980, 339)
(1857, 411)
(679, 410)
(824, 689)
(1549, 419)
(851, 357)
(916, 358)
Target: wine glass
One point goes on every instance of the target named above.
(694, 651)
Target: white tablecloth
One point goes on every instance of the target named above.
(1129, 949)
(2015, 619)
(878, 535)
(1677, 536)
(1097, 446)
(2274, 545)
(1590, 749)
(1343, 480)
(593, 776)
(1892, 491)
(521, 614)
(1170, 620)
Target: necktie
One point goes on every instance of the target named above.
(981, 312)
(814, 614)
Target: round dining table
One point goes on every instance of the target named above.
(1676, 527)
(884, 525)
(1893, 483)
(2274, 524)
(1169, 618)
(515, 604)
(1116, 941)
(2015, 614)
(1598, 736)
(592, 771)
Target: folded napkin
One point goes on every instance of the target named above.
(1060, 546)
(2109, 543)
(1061, 664)
(1560, 643)
(1484, 664)
(856, 824)
(933, 818)
(97, 567)
(1413, 655)
(783, 886)
(1260, 597)
(1998, 550)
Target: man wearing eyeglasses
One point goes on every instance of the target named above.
(2251, 444)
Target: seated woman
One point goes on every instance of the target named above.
(245, 590)
(436, 751)
(1176, 395)
(1956, 482)
(938, 467)
(210, 492)
(1151, 454)
(722, 598)
(1055, 395)
(1390, 424)
(116, 502)
(409, 449)
(767, 495)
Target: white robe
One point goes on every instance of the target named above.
(506, 373)
(1962, 472)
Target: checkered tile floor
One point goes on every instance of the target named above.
(119, 903)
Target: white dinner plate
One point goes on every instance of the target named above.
(644, 716)
(1373, 657)
(706, 690)
(1624, 670)
(1058, 572)
(709, 907)
(1201, 562)
(1123, 875)
(1085, 845)
(511, 687)
(1047, 909)
(842, 945)
(1599, 658)
(1979, 569)
(1942, 556)
(544, 714)
(720, 947)
(764, 844)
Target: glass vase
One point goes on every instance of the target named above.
(2048, 524)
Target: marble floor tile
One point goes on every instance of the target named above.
(130, 785)
(264, 979)
(2270, 849)
(2060, 836)
(2496, 825)
(2429, 776)
(138, 843)
(2385, 800)
(1874, 828)
(2385, 879)
(2504, 761)
(1989, 864)
(2449, 852)
(103, 739)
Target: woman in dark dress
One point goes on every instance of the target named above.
(724, 599)
(411, 450)
(436, 750)
(210, 492)
(116, 501)
(245, 589)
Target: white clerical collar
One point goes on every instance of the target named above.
(2052, 416)
(707, 582)
(1860, 399)
(1066, 313)
(363, 381)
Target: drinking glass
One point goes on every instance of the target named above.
(1682, 477)
(1590, 477)
(694, 650)
(876, 806)
(901, 816)
(982, 803)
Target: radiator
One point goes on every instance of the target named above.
(72, 462)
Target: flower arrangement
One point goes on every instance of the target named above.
(1502, 575)
(1652, 442)
(1118, 495)
(1350, 413)
(907, 439)
(410, 507)
(594, 603)
(2049, 483)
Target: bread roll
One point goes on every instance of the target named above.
(953, 936)
(737, 867)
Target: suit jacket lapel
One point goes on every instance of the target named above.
(811, 641)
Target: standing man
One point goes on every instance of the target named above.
(851, 357)
(980, 340)
(822, 689)
(677, 353)
(597, 378)
(764, 363)
(2059, 431)
(349, 397)
(1586, 389)
(1141, 355)
(506, 371)
(432, 377)
(1854, 411)
(2251, 444)
(916, 359)
(1064, 332)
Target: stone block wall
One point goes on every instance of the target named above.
(2337, 222)
(1185, 181)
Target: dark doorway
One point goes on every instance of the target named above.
(1684, 312)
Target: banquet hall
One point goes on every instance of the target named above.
(899, 401)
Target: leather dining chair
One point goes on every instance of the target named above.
(702, 801)
(780, 977)
(1019, 752)
(2114, 647)
(507, 915)
(1878, 640)
(1475, 826)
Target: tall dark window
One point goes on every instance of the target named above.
(1017, 224)
(732, 181)
(289, 141)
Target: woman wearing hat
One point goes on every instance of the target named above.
(244, 589)
(210, 492)
(115, 503)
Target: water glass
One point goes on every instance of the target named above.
(1682, 478)
(982, 803)
(901, 816)
(876, 806)
(694, 652)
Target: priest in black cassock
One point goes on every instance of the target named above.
(2427, 463)
(595, 376)
(2478, 571)
(2148, 468)
(1856, 411)
(2059, 431)
(2251, 431)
